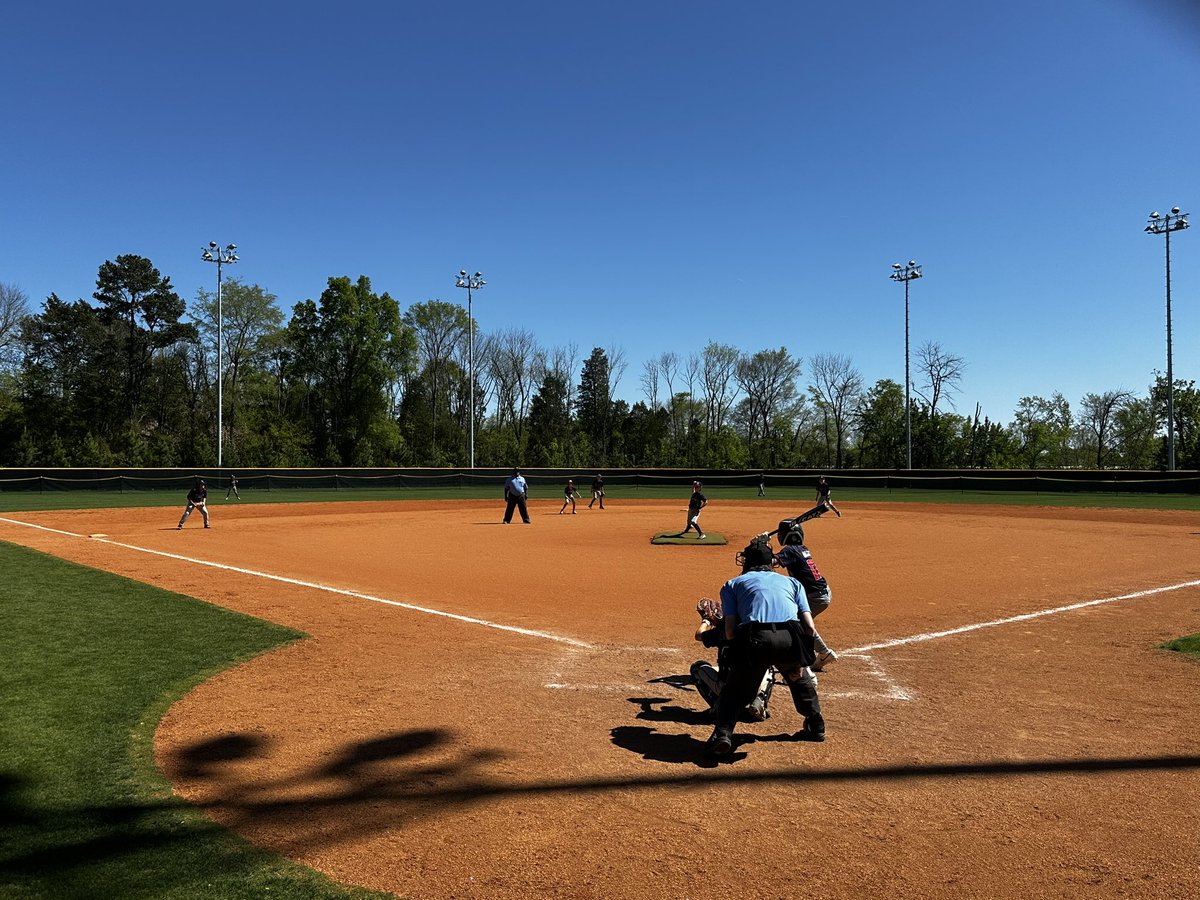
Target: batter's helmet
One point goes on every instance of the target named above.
(790, 532)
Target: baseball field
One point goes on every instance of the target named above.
(495, 711)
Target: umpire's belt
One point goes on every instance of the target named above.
(769, 626)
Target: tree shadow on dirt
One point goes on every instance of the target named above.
(386, 784)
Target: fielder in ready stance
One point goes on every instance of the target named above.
(232, 488)
(568, 497)
(597, 491)
(197, 498)
(767, 623)
(823, 490)
(696, 503)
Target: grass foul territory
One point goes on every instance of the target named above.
(91, 663)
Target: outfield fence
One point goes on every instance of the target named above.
(975, 480)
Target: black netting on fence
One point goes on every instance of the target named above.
(1040, 481)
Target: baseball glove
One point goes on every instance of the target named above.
(710, 610)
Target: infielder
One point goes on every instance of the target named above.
(197, 498)
(568, 497)
(597, 491)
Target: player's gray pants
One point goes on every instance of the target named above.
(818, 604)
(187, 512)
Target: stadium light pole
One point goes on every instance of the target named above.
(906, 274)
(472, 283)
(221, 256)
(1164, 225)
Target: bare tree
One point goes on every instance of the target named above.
(718, 367)
(942, 372)
(1097, 418)
(514, 365)
(14, 306)
(836, 388)
(768, 380)
(616, 368)
(649, 382)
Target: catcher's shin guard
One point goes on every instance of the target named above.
(707, 681)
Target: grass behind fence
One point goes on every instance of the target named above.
(91, 661)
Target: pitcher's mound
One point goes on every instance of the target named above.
(711, 538)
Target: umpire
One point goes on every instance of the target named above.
(768, 623)
(515, 491)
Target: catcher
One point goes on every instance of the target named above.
(709, 679)
(197, 498)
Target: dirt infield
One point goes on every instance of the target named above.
(503, 711)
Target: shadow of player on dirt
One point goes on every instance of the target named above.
(668, 748)
(653, 712)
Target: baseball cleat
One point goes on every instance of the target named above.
(757, 710)
(824, 659)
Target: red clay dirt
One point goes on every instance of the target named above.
(443, 757)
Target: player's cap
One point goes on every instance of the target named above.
(695, 484)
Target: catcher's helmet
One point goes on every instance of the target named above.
(790, 532)
(757, 553)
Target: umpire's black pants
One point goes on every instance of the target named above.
(516, 501)
(756, 647)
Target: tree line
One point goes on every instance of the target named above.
(128, 378)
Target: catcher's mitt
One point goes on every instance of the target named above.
(710, 610)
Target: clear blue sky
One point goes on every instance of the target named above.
(650, 175)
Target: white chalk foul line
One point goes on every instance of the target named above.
(321, 587)
(1024, 617)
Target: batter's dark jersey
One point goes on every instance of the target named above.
(799, 564)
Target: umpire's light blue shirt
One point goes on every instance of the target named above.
(515, 485)
(763, 597)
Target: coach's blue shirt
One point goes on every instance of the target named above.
(763, 597)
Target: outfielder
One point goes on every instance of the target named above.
(197, 498)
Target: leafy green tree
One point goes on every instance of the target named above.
(1134, 428)
(594, 405)
(549, 423)
(1187, 421)
(344, 355)
(987, 444)
(141, 313)
(1097, 420)
(251, 323)
(879, 420)
(440, 329)
(767, 381)
(1043, 430)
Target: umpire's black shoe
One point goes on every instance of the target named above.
(720, 744)
(813, 730)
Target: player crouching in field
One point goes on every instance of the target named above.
(767, 623)
(709, 679)
(197, 498)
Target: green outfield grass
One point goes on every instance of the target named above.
(91, 662)
(1187, 645)
(16, 501)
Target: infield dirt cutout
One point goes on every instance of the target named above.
(503, 711)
